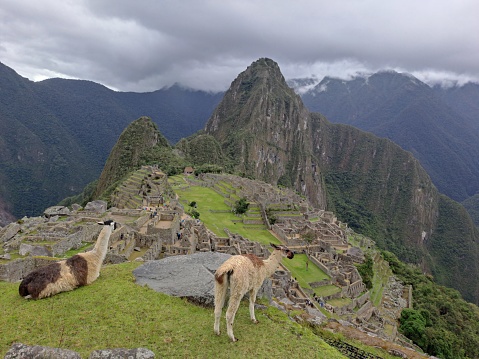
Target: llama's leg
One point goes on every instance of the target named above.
(220, 295)
(252, 300)
(233, 305)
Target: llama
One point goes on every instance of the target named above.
(243, 273)
(79, 270)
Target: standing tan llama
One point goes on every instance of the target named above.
(243, 273)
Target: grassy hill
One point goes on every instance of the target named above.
(114, 312)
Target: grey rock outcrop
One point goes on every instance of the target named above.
(96, 206)
(22, 351)
(120, 353)
(56, 211)
(189, 276)
(34, 250)
(9, 232)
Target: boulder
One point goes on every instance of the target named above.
(120, 353)
(187, 276)
(9, 232)
(56, 211)
(19, 350)
(76, 207)
(34, 250)
(96, 206)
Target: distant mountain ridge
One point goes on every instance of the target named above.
(55, 135)
(440, 126)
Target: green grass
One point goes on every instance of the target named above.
(114, 312)
(326, 290)
(206, 200)
(339, 302)
(297, 266)
(72, 252)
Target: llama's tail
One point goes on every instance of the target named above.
(224, 270)
(222, 279)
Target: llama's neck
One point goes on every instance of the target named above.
(101, 245)
(272, 263)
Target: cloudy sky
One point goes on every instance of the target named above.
(145, 45)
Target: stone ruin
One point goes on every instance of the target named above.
(157, 230)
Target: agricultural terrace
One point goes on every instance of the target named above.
(215, 214)
(305, 275)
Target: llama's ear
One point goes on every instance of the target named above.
(274, 246)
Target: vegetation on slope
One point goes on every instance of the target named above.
(472, 206)
(202, 149)
(455, 238)
(441, 322)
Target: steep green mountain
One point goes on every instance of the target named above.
(55, 135)
(201, 149)
(429, 123)
(139, 144)
(40, 159)
(472, 206)
(370, 182)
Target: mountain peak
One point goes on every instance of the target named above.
(137, 145)
(259, 122)
(260, 88)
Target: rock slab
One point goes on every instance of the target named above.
(120, 353)
(187, 276)
(22, 351)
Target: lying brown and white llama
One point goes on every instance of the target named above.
(243, 273)
(79, 270)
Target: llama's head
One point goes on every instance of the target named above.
(114, 225)
(285, 251)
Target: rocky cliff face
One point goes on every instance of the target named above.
(371, 183)
(377, 175)
(263, 125)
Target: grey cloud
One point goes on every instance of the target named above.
(143, 46)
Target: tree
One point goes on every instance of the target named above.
(241, 206)
(366, 272)
(194, 213)
(413, 326)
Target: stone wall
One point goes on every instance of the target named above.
(16, 270)
(75, 240)
(153, 251)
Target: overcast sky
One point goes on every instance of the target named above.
(144, 45)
